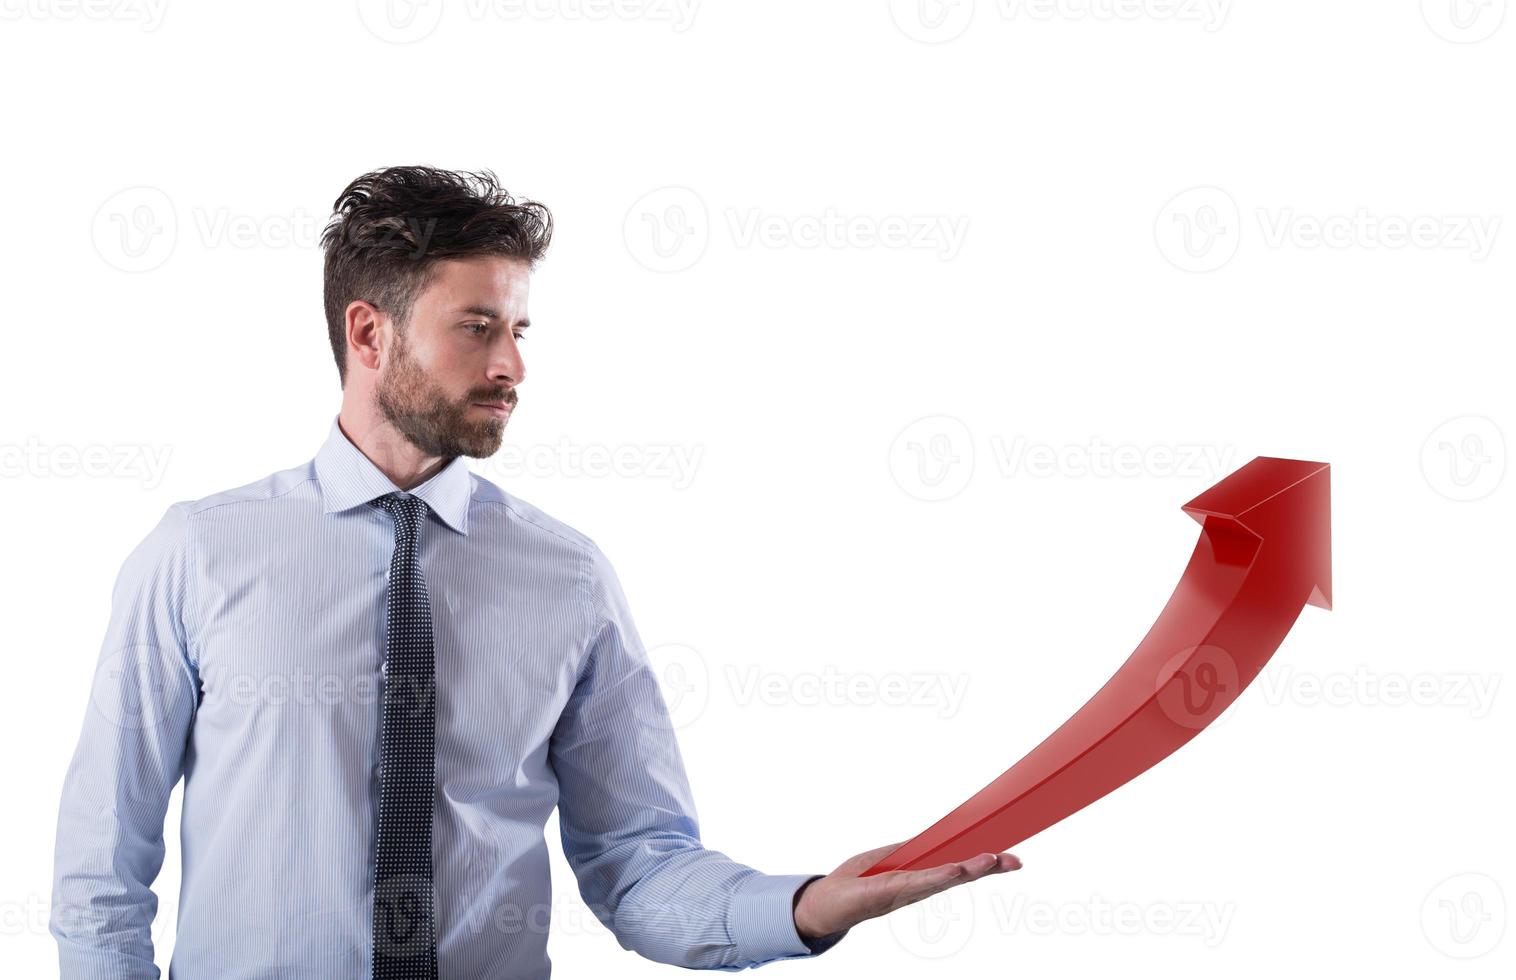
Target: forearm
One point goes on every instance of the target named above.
(131, 748)
(697, 908)
(108, 852)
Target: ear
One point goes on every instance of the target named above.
(367, 333)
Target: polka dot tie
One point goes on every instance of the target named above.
(405, 916)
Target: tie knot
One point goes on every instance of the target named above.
(408, 511)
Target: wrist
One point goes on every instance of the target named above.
(802, 928)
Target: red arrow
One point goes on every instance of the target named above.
(1265, 551)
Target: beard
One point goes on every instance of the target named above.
(434, 423)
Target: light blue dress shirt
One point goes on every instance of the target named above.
(244, 653)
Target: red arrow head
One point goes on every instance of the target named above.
(1287, 504)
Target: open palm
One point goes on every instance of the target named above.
(841, 900)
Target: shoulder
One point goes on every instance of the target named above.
(271, 487)
(596, 574)
(531, 519)
(170, 540)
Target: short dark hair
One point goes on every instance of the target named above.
(390, 227)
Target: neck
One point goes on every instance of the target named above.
(394, 455)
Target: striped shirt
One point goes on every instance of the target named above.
(244, 653)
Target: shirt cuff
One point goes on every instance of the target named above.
(763, 920)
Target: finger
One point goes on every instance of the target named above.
(900, 888)
(978, 866)
(987, 864)
(975, 867)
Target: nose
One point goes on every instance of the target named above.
(506, 366)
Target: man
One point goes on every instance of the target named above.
(378, 674)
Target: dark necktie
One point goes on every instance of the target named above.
(405, 916)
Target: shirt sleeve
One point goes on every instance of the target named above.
(130, 753)
(628, 822)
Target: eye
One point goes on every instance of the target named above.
(483, 328)
(519, 335)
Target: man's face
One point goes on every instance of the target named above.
(458, 352)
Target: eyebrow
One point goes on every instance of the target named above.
(490, 313)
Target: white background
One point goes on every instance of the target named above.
(1145, 241)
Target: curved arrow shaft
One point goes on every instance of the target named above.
(1260, 558)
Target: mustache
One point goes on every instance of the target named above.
(508, 397)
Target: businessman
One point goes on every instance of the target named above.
(378, 674)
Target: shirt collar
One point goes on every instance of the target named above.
(348, 478)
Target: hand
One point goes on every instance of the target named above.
(841, 900)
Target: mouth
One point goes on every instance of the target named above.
(498, 409)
